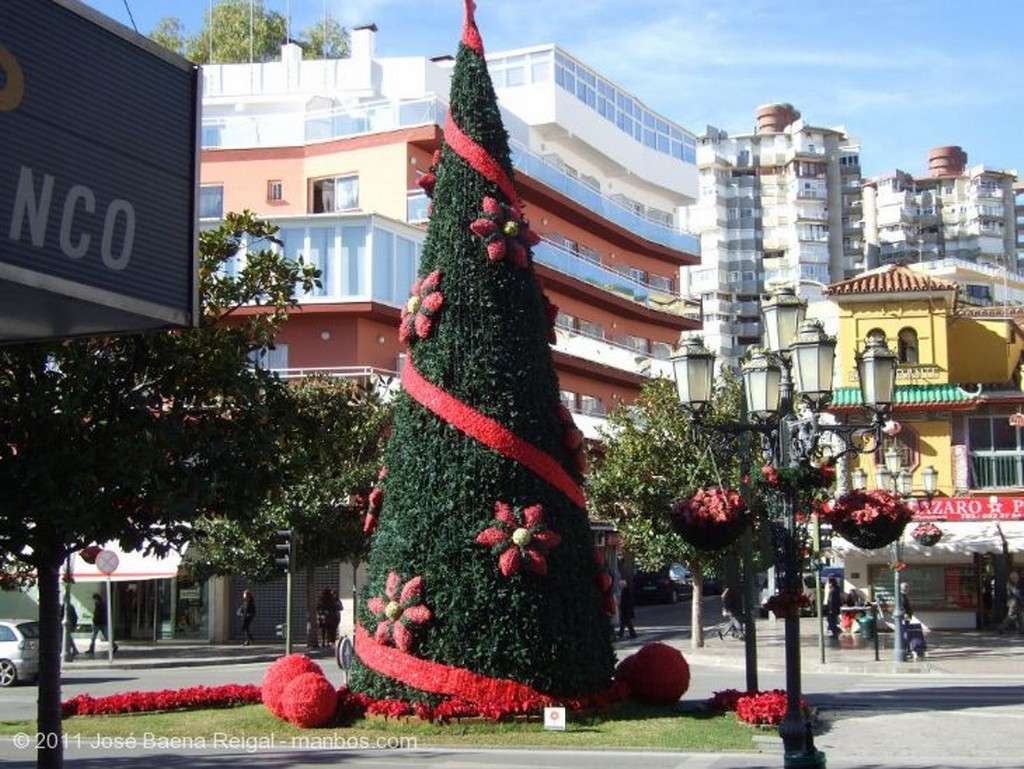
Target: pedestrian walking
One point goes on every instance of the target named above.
(99, 623)
(732, 610)
(247, 611)
(1014, 604)
(70, 623)
(626, 608)
(833, 606)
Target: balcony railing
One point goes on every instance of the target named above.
(996, 470)
(543, 171)
(595, 274)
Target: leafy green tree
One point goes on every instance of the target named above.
(650, 458)
(133, 438)
(331, 439)
(238, 30)
(482, 582)
(170, 33)
(326, 39)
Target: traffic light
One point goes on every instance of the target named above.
(283, 552)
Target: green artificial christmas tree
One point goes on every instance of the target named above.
(482, 584)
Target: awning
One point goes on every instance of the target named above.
(131, 566)
(959, 538)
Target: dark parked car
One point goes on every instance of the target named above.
(666, 585)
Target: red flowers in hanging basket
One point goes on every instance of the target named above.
(783, 602)
(927, 534)
(711, 519)
(88, 554)
(868, 519)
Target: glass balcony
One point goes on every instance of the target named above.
(571, 264)
(537, 168)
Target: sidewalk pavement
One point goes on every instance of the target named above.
(963, 652)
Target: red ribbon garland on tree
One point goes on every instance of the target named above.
(437, 678)
(489, 432)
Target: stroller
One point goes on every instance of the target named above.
(913, 640)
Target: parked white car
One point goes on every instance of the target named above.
(19, 650)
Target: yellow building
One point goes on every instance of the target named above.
(958, 409)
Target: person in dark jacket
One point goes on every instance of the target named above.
(833, 604)
(99, 623)
(247, 611)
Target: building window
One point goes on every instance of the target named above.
(996, 453)
(340, 193)
(568, 399)
(211, 201)
(589, 328)
(275, 190)
(661, 350)
(565, 320)
(273, 358)
(907, 344)
(591, 405)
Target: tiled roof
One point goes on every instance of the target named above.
(892, 279)
(909, 395)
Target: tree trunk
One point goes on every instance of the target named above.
(50, 749)
(697, 608)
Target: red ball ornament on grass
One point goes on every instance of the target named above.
(280, 674)
(658, 674)
(309, 700)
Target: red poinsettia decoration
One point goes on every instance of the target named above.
(88, 554)
(711, 519)
(505, 232)
(421, 308)
(374, 503)
(427, 181)
(521, 537)
(572, 439)
(402, 611)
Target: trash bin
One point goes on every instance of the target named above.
(867, 626)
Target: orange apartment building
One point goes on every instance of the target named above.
(331, 151)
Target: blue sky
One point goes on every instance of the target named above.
(902, 76)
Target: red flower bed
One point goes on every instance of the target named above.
(280, 674)
(756, 708)
(191, 698)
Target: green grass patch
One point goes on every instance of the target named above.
(628, 726)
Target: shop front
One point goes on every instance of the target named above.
(958, 582)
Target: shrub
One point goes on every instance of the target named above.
(309, 700)
(657, 674)
(280, 674)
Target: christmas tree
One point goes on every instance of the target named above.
(482, 583)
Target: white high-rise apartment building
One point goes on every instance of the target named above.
(781, 205)
(953, 213)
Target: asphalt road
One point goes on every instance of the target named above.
(870, 721)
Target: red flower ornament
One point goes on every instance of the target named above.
(505, 232)
(402, 612)
(421, 308)
(428, 180)
(521, 537)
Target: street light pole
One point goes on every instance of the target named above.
(785, 387)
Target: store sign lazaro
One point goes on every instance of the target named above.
(970, 509)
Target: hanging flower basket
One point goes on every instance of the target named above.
(927, 534)
(713, 518)
(868, 519)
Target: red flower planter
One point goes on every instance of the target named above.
(868, 519)
(712, 519)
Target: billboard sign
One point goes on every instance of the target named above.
(98, 170)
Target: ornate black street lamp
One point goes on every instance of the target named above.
(786, 387)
